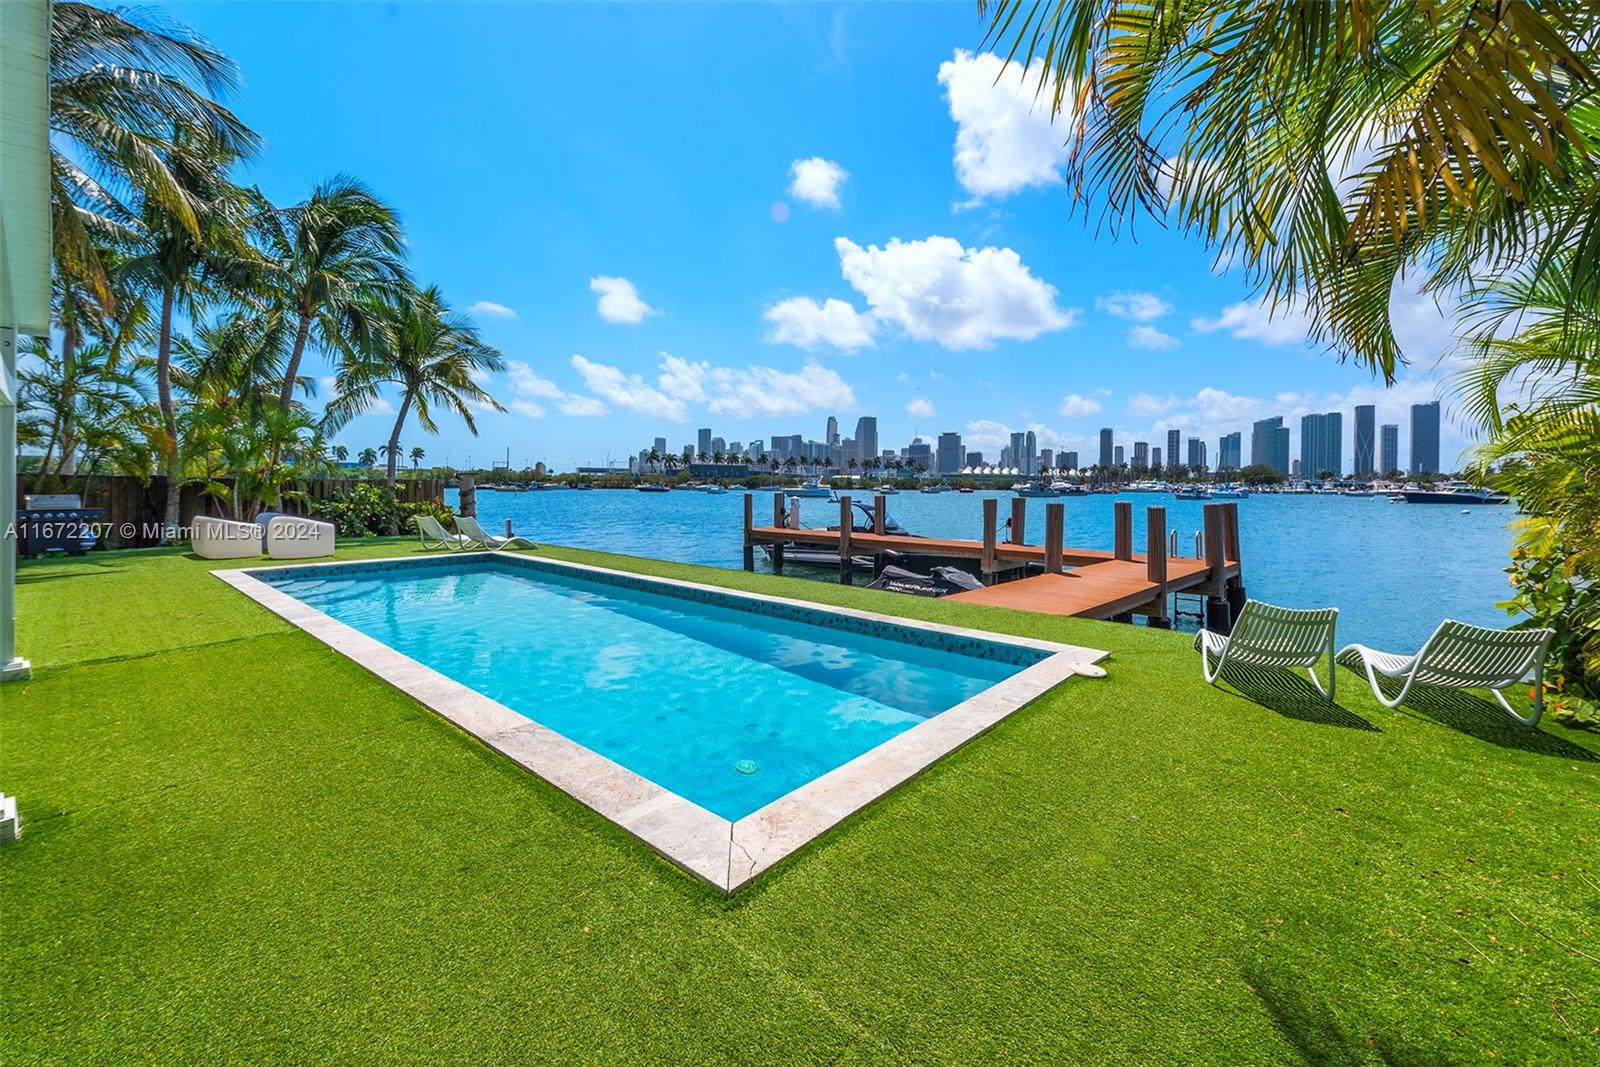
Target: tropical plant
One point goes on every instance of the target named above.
(368, 457)
(333, 259)
(417, 455)
(85, 401)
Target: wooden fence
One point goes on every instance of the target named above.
(134, 508)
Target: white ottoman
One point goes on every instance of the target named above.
(291, 537)
(224, 538)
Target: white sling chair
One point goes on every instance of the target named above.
(1459, 656)
(434, 535)
(1268, 636)
(469, 527)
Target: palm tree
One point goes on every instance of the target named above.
(120, 83)
(189, 268)
(340, 453)
(368, 457)
(1327, 148)
(432, 354)
(87, 394)
(417, 455)
(334, 256)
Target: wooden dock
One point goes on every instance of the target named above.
(1091, 583)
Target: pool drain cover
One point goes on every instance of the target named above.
(746, 766)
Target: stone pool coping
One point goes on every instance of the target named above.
(728, 854)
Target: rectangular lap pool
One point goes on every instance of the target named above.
(684, 712)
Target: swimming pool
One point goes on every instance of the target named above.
(666, 702)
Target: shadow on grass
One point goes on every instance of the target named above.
(82, 568)
(1315, 1032)
(1485, 720)
(1292, 696)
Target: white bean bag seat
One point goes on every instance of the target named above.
(292, 537)
(224, 539)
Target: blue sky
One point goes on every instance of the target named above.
(752, 217)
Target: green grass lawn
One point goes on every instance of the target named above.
(239, 845)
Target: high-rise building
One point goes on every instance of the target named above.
(1294, 469)
(833, 430)
(703, 441)
(1019, 453)
(1269, 444)
(1106, 454)
(974, 459)
(1366, 440)
(1230, 452)
(866, 439)
(660, 446)
(757, 447)
(950, 455)
(718, 445)
(1174, 446)
(1069, 461)
(1322, 444)
(1141, 454)
(1047, 459)
(1388, 448)
(1425, 438)
(1030, 453)
(1117, 456)
(1155, 457)
(1197, 454)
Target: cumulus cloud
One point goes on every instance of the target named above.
(1141, 307)
(1148, 404)
(1257, 321)
(920, 408)
(628, 391)
(1146, 336)
(816, 181)
(581, 406)
(619, 300)
(525, 407)
(524, 382)
(768, 391)
(490, 310)
(936, 290)
(803, 322)
(1075, 406)
(1004, 138)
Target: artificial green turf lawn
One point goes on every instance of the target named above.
(237, 844)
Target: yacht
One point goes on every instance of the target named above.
(1453, 493)
(811, 489)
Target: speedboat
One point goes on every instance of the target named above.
(1192, 492)
(1034, 489)
(653, 487)
(1454, 493)
(811, 489)
(713, 489)
(935, 489)
(819, 556)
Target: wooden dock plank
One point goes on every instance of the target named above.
(1095, 591)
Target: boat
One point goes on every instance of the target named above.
(934, 489)
(811, 489)
(581, 486)
(713, 489)
(1034, 489)
(653, 487)
(964, 489)
(1228, 492)
(1453, 493)
(886, 490)
(1192, 492)
(815, 556)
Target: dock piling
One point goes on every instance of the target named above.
(1230, 539)
(846, 521)
(1219, 616)
(1019, 520)
(1054, 531)
(1122, 530)
(749, 524)
(1156, 564)
(991, 518)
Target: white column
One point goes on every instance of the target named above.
(12, 666)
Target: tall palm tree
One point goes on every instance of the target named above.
(417, 455)
(120, 83)
(1326, 149)
(333, 256)
(340, 453)
(368, 457)
(84, 395)
(432, 354)
(188, 268)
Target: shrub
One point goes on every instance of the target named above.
(367, 510)
(1548, 593)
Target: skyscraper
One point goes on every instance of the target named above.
(1019, 444)
(1174, 444)
(1156, 457)
(833, 431)
(1389, 448)
(1030, 453)
(1047, 459)
(1322, 444)
(703, 441)
(1197, 454)
(1116, 456)
(1269, 444)
(1106, 455)
(866, 437)
(1069, 461)
(951, 456)
(1230, 452)
(1425, 438)
(1141, 453)
(1366, 439)
(661, 446)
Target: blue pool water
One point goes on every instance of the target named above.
(1393, 570)
(729, 708)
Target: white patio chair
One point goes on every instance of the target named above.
(1459, 656)
(433, 535)
(213, 538)
(1273, 637)
(469, 528)
(293, 537)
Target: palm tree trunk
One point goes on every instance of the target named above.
(68, 464)
(169, 416)
(300, 336)
(394, 450)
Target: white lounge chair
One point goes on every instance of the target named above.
(434, 535)
(1459, 656)
(294, 537)
(1268, 636)
(224, 538)
(469, 528)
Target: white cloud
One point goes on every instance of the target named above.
(681, 379)
(1147, 336)
(803, 322)
(381, 405)
(490, 310)
(768, 391)
(920, 408)
(1141, 307)
(816, 181)
(936, 290)
(1075, 406)
(628, 391)
(524, 382)
(1257, 321)
(1004, 137)
(1148, 404)
(619, 300)
(525, 407)
(581, 406)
